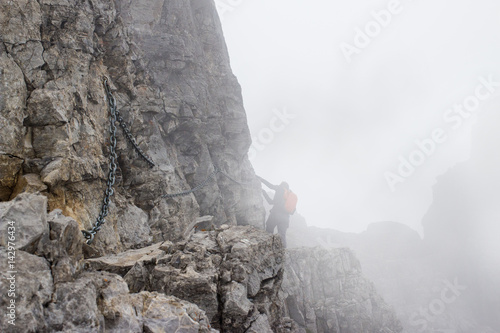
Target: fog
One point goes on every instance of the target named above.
(355, 114)
(384, 111)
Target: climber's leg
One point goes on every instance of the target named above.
(271, 223)
(282, 227)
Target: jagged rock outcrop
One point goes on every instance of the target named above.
(233, 274)
(325, 292)
(169, 71)
(53, 292)
(233, 279)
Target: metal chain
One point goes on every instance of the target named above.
(101, 219)
(123, 125)
(133, 141)
(203, 184)
(194, 189)
(114, 117)
(234, 180)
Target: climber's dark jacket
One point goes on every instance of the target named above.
(278, 216)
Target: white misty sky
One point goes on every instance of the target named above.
(353, 120)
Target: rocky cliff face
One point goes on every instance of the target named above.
(149, 268)
(325, 292)
(231, 279)
(169, 71)
(233, 275)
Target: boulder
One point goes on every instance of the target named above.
(24, 221)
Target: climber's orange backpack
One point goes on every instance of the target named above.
(290, 201)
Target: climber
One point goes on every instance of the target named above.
(284, 203)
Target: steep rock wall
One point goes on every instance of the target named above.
(325, 291)
(169, 71)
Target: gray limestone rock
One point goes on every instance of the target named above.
(62, 247)
(233, 274)
(29, 183)
(49, 107)
(101, 301)
(325, 292)
(92, 302)
(133, 228)
(23, 221)
(200, 108)
(123, 262)
(32, 285)
(260, 325)
(12, 103)
(74, 306)
(168, 68)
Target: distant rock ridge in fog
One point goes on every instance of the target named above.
(325, 291)
(413, 275)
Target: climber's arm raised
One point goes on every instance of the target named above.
(268, 184)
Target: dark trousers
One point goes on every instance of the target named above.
(280, 220)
